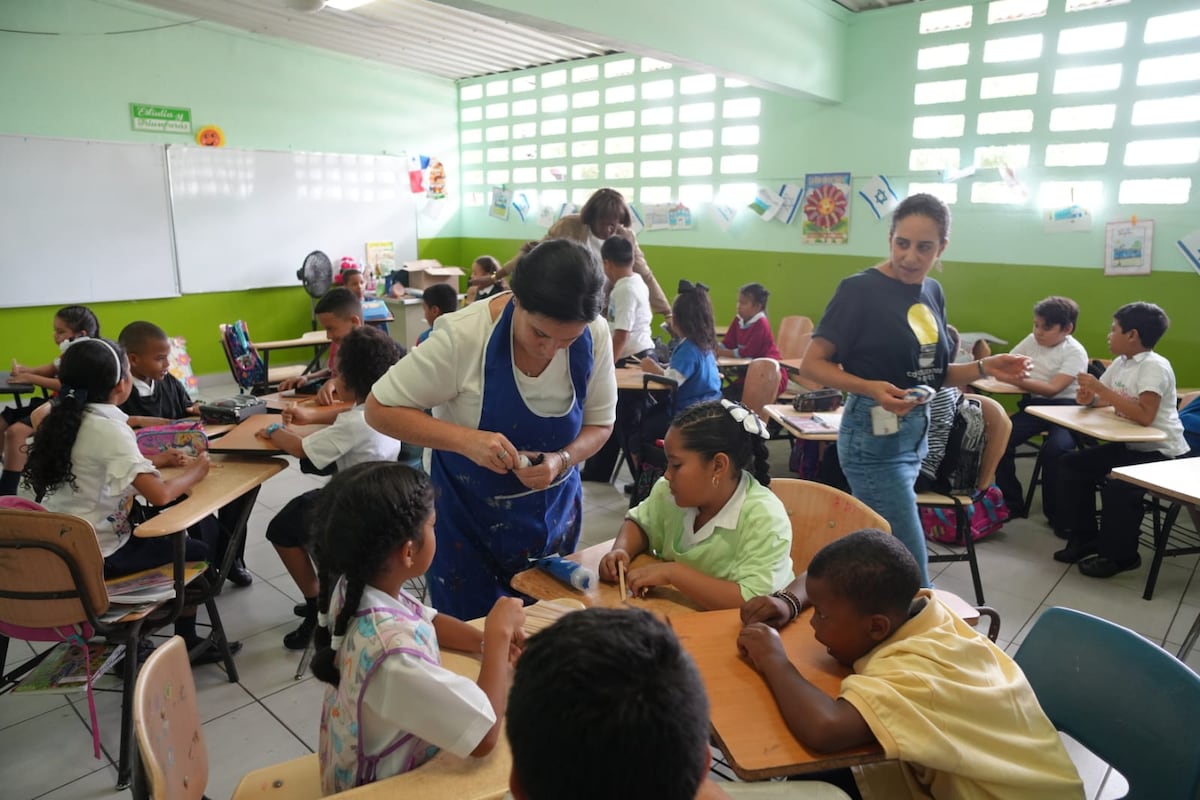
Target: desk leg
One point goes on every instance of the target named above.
(233, 519)
(1162, 532)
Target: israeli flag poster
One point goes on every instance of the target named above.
(880, 196)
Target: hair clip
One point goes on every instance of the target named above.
(749, 421)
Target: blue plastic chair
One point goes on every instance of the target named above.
(1124, 698)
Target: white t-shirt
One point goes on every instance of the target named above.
(1150, 372)
(1066, 358)
(629, 310)
(446, 374)
(105, 460)
(349, 441)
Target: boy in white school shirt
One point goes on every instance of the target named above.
(628, 302)
(1057, 359)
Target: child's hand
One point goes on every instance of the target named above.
(650, 365)
(325, 394)
(1088, 383)
(502, 630)
(292, 383)
(642, 579)
(760, 644)
(261, 433)
(200, 466)
(773, 611)
(171, 458)
(490, 450)
(297, 414)
(608, 564)
(17, 369)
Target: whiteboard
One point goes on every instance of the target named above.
(245, 219)
(83, 222)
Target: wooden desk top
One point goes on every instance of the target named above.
(242, 439)
(663, 600)
(1102, 423)
(309, 339)
(281, 401)
(797, 422)
(993, 386)
(1177, 479)
(229, 479)
(746, 722)
(631, 378)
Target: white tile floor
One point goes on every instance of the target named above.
(268, 717)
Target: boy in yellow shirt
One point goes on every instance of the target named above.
(938, 696)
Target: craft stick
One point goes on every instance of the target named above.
(621, 578)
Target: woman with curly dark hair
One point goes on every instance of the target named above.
(84, 460)
(391, 703)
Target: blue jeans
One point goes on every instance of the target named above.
(882, 470)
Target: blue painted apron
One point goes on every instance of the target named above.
(489, 525)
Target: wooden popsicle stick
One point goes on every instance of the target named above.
(621, 578)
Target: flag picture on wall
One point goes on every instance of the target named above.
(826, 208)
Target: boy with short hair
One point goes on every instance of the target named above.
(441, 298)
(338, 312)
(939, 697)
(628, 301)
(367, 353)
(157, 397)
(1057, 359)
(1140, 386)
(749, 335)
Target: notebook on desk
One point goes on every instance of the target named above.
(814, 423)
(375, 311)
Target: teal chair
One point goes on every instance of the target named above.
(1124, 698)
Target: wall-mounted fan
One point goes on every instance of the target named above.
(316, 273)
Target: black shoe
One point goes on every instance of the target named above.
(299, 638)
(212, 653)
(300, 609)
(1075, 551)
(240, 576)
(1102, 567)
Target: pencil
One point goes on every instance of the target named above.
(621, 578)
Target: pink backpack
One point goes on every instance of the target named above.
(187, 436)
(986, 516)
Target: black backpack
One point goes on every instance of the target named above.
(959, 469)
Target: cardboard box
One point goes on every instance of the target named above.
(429, 271)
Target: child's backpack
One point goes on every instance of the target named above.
(984, 517)
(959, 469)
(186, 436)
(248, 368)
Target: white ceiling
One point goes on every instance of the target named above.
(415, 34)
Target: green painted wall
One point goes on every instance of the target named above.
(264, 93)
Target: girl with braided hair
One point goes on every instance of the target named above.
(724, 537)
(390, 704)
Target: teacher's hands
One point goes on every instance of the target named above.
(541, 472)
(892, 398)
(1008, 367)
(490, 450)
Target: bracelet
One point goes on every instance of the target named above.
(979, 366)
(566, 460)
(792, 601)
(274, 426)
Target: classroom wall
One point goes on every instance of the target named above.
(266, 94)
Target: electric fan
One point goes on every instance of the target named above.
(316, 273)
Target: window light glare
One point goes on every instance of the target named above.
(1012, 155)
(939, 127)
(697, 112)
(657, 169)
(554, 127)
(947, 55)
(588, 72)
(1018, 121)
(1088, 5)
(1092, 38)
(656, 194)
(697, 84)
(619, 94)
(1000, 11)
(947, 19)
(619, 69)
(497, 133)
(933, 158)
(739, 108)
(654, 65)
(1159, 191)
(692, 195)
(1168, 69)
(1077, 154)
(497, 88)
(495, 154)
(663, 115)
(657, 142)
(931, 92)
(1072, 80)
(1013, 48)
(618, 171)
(618, 145)
(996, 193)
(346, 5)
(1083, 118)
(946, 192)
(1167, 110)
(739, 165)
(585, 124)
(691, 140)
(658, 90)
(1008, 86)
(524, 130)
(1162, 151)
(1172, 27)
(1058, 194)
(473, 92)
(695, 166)
(739, 136)
(524, 175)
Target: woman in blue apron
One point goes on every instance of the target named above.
(522, 388)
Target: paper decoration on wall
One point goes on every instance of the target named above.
(667, 217)
(546, 217)
(381, 258)
(723, 214)
(520, 204)
(435, 180)
(1190, 247)
(955, 174)
(790, 195)
(766, 204)
(1128, 247)
(210, 136)
(636, 223)
(416, 173)
(880, 196)
(1009, 176)
(827, 208)
(567, 209)
(501, 200)
(1068, 219)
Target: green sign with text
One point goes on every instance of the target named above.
(160, 119)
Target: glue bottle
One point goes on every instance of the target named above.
(571, 572)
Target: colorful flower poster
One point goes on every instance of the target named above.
(826, 208)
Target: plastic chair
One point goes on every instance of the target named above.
(997, 427)
(761, 386)
(1124, 698)
(170, 740)
(52, 588)
(795, 332)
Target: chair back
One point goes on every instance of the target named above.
(795, 332)
(997, 428)
(820, 514)
(1124, 698)
(166, 721)
(51, 572)
(762, 385)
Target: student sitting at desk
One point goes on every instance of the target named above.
(390, 704)
(724, 537)
(71, 324)
(365, 355)
(84, 460)
(158, 397)
(338, 312)
(938, 696)
(439, 299)
(1140, 386)
(749, 336)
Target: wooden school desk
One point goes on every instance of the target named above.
(243, 440)
(281, 401)
(663, 600)
(1177, 481)
(7, 386)
(822, 426)
(317, 340)
(994, 386)
(746, 722)
(1100, 423)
